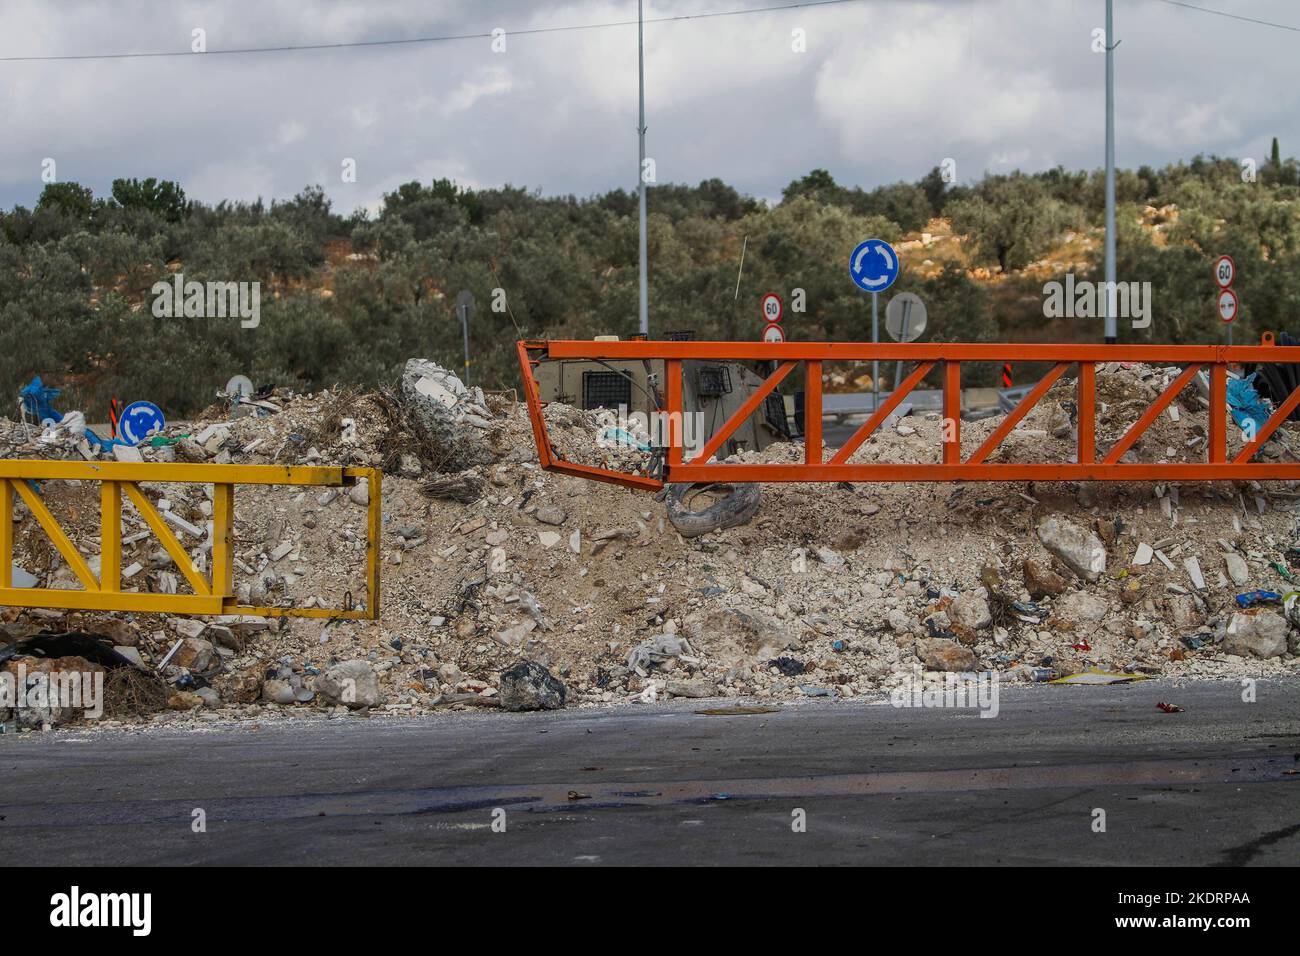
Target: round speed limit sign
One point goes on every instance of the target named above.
(772, 307)
(1228, 306)
(1225, 270)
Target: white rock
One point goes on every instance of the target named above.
(1237, 568)
(1262, 634)
(1081, 551)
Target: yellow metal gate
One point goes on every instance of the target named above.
(213, 594)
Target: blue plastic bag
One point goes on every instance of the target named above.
(1249, 410)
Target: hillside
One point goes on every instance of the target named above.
(349, 299)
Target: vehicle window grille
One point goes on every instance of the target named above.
(606, 390)
(714, 380)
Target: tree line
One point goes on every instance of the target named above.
(350, 298)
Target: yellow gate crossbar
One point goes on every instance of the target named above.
(211, 596)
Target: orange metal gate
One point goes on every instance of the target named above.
(1088, 466)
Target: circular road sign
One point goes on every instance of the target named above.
(465, 304)
(773, 333)
(239, 386)
(1225, 270)
(140, 420)
(874, 265)
(772, 307)
(1228, 306)
(905, 317)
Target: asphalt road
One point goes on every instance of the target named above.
(1213, 785)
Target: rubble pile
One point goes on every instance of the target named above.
(509, 587)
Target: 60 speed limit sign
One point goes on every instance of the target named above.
(772, 307)
(1225, 271)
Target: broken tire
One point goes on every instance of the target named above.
(737, 506)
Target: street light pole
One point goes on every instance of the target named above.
(640, 173)
(1109, 307)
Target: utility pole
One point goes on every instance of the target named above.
(640, 172)
(1111, 324)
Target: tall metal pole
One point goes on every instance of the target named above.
(640, 173)
(875, 363)
(464, 328)
(1111, 324)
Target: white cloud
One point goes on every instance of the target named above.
(886, 89)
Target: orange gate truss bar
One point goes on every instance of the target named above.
(926, 356)
(546, 455)
(211, 596)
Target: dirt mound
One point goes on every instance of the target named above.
(856, 586)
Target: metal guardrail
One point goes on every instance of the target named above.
(212, 593)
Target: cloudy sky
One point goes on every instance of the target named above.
(885, 90)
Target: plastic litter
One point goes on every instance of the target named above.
(1029, 612)
(788, 666)
(1093, 676)
(1249, 410)
(1253, 598)
(621, 436)
(37, 399)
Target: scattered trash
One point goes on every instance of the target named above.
(1254, 598)
(1248, 410)
(621, 436)
(1092, 676)
(1170, 708)
(1083, 645)
(788, 666)
(1029, 612)
(37, 401)
(655, 651)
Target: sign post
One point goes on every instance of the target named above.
(873, 267)
(464, 308)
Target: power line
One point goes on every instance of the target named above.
(1231, 16)
(355, 44)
